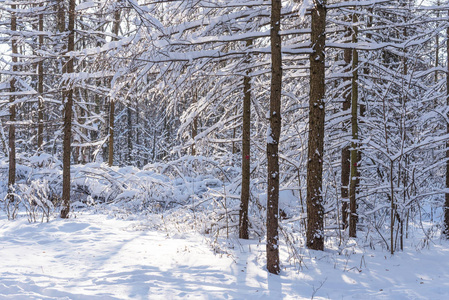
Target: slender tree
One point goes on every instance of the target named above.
(446, 195)
(246, 154)
(273, 136)
(12, 106)
(315, 210)
(345, 152)
(68, 107)
(353, 218)
(40, 85)
(115, 31)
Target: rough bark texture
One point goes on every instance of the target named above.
(246, 155)
(437, 43)
(12, 109)
(353, 217)
(129, 134)
(273, 135)
(315, 210)
(40, 88)
(68, 103)
(115, 31)
(194, 123)
(345, 153)
(446, 202)
(111, 132)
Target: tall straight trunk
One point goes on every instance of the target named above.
(446, 196)
(353, 217)
(437, 48)
(111, 132)
(115, 31)
(138, 157)
(12, 107)
(345, 153)
(68, 106)
(194, 124)
(130, 133)
(273, 135)
(315, 210)
(40, 86)
(246, 154)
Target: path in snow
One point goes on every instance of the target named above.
(96, 257)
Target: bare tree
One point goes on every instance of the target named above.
(446, 203)
(40, 85)
(273, 135)
(345, 153)
(68, 103)
(115, 31)
(353, 218)
(246, 154)
(12, 106)
(315, 210)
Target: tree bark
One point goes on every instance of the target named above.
(12, 107)
(130, 134)
(40, 86)
(68, 103)
(115, 31)
(446, 196)
(345, 153)
(194, 123)
(437, 44)
(273, 136)
(315, 210)
(353, 217)
(246, 153)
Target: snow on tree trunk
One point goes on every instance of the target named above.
(273, 135)
(68, 103)
(315, 210)
(246, 154)
(353, 218)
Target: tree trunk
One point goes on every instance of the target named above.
(246, 154)
(115, 31)
(353, 217)
(437, 48)
(139, 152)
(315, 210)
(273, 136)
(446, 196)
(130, 133)
(40, 86)
(345, 153)
(195, 123)
(111, 133)
(68, 103)
(12, 107)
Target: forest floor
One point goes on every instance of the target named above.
(95, 256)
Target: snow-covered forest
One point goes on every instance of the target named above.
(303, 142)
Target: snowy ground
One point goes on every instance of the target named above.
(99, 257)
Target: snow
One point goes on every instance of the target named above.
(85, 5)
(96, 256)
